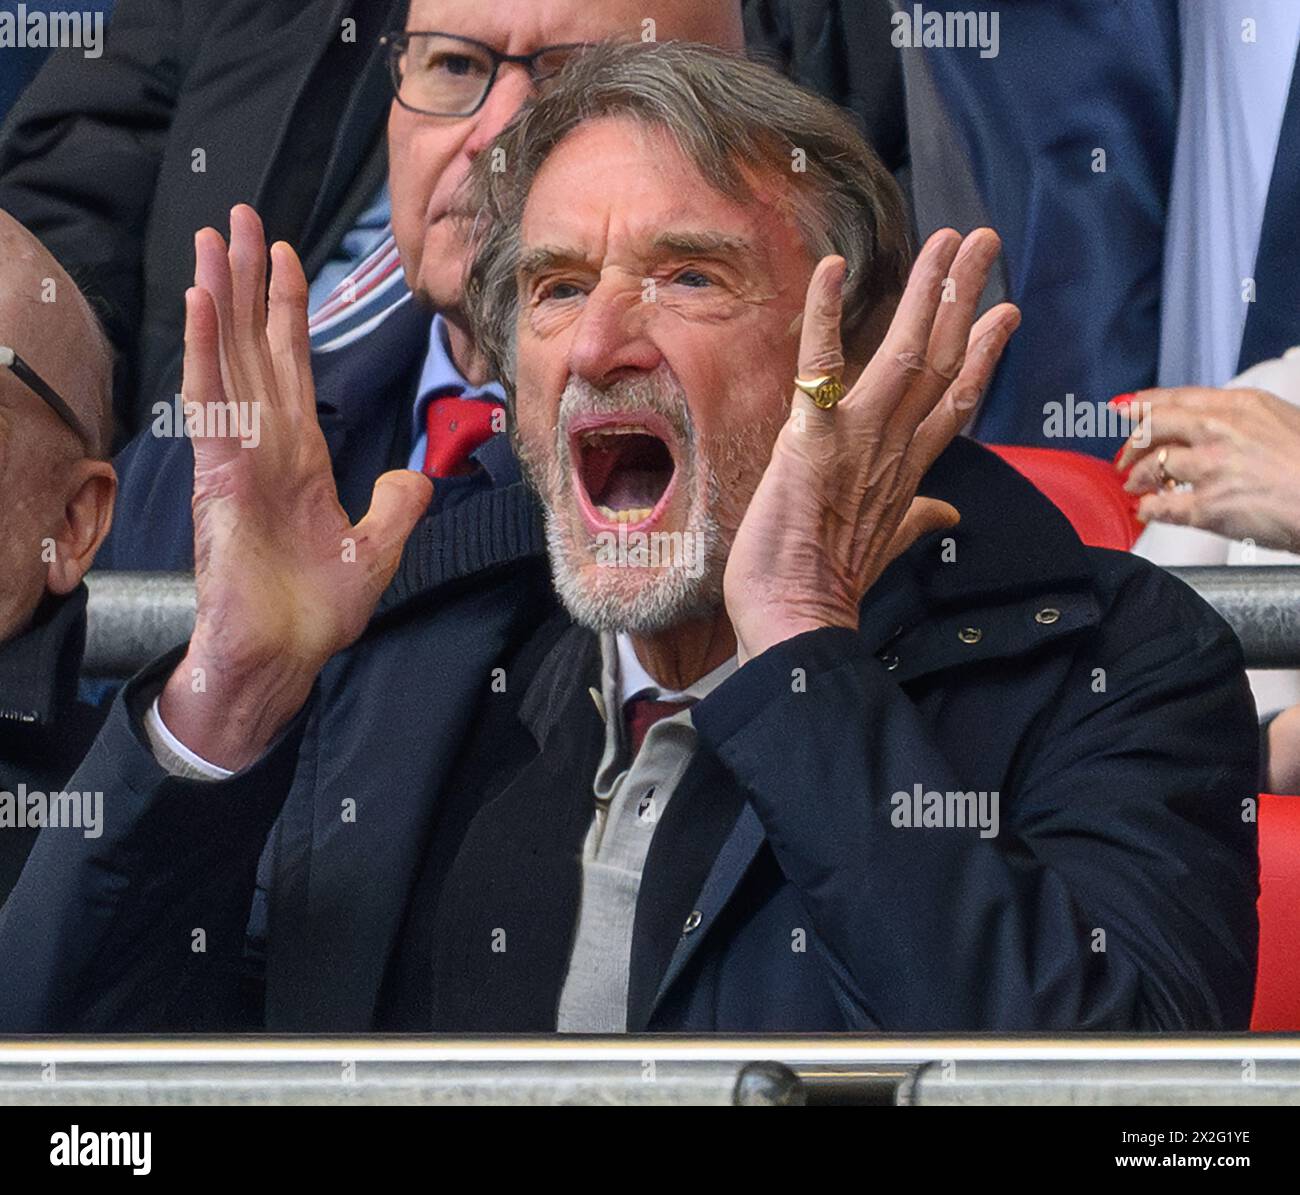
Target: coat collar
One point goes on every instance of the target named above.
(1009, 578)
(490, 530)
(1011, 538)
(39, 666)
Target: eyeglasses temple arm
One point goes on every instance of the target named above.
(34, 381)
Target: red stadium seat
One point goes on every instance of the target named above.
(1277, 980)
(1087, 490)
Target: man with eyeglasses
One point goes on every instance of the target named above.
(56, 495)
(397, 376)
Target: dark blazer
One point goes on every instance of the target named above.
(1100, 698)
(842, 51)
(1273, 319)
(98, 157)
(45, 728)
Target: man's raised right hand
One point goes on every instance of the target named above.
(284, 579)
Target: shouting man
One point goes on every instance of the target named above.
(819, 757)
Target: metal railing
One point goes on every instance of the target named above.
(134, 617)
(765, 1071)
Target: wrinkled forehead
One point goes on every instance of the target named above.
(618, 190)
(521, 26)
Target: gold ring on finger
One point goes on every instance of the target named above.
(825, 391)
(1167, 479)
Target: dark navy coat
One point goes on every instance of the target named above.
(1100, 699)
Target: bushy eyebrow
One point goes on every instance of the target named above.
(544, 257)
(702, 244)
(541, 258)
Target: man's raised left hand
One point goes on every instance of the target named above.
(837, 502)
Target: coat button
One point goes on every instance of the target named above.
(1047, 616)
(693, 922)
(890, 662)
(970, 634)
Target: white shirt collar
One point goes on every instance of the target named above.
(635, 681)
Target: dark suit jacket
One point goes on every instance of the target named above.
(1101, 699)
(1008, 142)
(100, 157)
(842, 51)
(45, 729)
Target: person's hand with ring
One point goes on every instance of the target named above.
(837, 502)
(1220, 460)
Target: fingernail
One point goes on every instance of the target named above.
(1123, 400)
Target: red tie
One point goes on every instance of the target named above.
(642, 713)
(456, 427)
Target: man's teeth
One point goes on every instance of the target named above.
(637, 514)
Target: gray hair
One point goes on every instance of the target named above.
(727, 114)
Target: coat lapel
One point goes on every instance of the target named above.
(325, 132)
(358, 163)
(364, 395)
(302, 129)
(350, 839)
(506, 921)
(687, 842)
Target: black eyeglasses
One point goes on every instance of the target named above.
(42, 389)
(439, 74)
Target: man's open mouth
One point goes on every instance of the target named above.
(624, 468)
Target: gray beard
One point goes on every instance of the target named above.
(630, 599)
(639, 600)
(667, 596)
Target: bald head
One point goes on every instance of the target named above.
(56, 492)
(710, 22)
(713, 22)
(46, 320)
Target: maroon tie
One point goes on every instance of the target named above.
(456, 427)
(641, 713)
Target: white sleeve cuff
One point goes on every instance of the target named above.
(173, 755)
